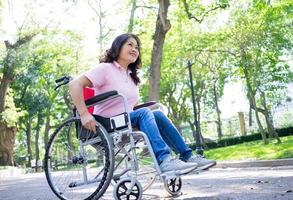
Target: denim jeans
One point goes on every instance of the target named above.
(161, 133)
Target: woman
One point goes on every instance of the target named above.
(118, 71)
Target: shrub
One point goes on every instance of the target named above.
(245, 138)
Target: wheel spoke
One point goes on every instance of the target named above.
(69, 164)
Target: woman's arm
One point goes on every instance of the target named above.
(76, 91)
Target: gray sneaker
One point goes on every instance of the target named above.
(201, 162)
(173, 164)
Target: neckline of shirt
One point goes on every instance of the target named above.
(116, 64)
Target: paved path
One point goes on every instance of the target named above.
(216, 184)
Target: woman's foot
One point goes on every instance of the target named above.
(173, 164)
(201, 162)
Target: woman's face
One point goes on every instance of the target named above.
(129, 51)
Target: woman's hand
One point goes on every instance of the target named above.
(88, 121)
(76, 91)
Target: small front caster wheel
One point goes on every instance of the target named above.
(173, 185)
(122, 187)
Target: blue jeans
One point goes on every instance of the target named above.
(161, 133)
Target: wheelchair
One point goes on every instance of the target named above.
(81, 164)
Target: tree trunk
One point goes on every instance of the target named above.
(202, 141)
(7, 134)
(96, 6)
(131, 18)
(250, 116)
(252, 101)
(47, 129)
(68, 102)
(101, 28)
(272, 132)
(4, 85)
(28, 140)
(7, 139)
(37, 141)
(264, 137)
(8, 74)
(230, 128)
(192, 127)
(218, 111)
(162, 27)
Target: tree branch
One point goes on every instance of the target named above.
(148, 7)
(199, 20)
(163, 10)
(20, 41)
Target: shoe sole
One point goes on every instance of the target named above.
(186, 171)
(178, 172)
(205, 167)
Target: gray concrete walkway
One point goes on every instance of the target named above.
(267, 183)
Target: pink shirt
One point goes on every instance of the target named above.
(111, 76)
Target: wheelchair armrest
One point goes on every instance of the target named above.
(148, 104)
(100, 97)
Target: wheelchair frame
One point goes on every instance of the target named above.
(170, 178)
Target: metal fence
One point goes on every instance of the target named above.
(282, 117)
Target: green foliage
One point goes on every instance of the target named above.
(262, 41)
(256, 35)
(50, 55)
(254, 151)
(11, 113)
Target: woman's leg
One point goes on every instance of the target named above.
(172, 136)
(145, 121)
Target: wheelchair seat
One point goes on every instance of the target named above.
(117, 122)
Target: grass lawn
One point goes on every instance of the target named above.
(255, 150)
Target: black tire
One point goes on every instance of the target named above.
(173, 186)
(73, 152)
(120, 189)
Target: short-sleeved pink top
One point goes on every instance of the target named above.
(111, 76)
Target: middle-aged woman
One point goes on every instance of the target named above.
(118, 70)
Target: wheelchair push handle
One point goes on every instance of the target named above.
(62, 81)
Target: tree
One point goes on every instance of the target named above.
(262, 39)
(50, 57)
(175, 89)
(215, 62)
(104, 31)
(162, 27)
(11, 63)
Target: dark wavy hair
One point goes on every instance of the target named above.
(112, 54)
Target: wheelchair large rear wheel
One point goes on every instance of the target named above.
(79, 164)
